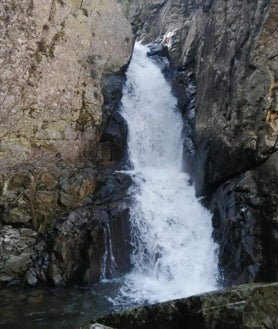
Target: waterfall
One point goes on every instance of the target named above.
(109, 266)
(173, 255)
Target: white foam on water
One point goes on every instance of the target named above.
(173, 255)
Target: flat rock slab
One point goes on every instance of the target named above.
(246, 307)
(99, 326)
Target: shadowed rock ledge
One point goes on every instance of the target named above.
(246, 307)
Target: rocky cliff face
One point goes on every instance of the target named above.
(228, 51)
(61, 63)
(61, 76)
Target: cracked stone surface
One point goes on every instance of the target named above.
(54, 58)
(228, 50)
(55, 55)
(245, 307)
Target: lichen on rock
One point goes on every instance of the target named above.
(54, 58)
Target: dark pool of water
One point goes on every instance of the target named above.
(55, 308)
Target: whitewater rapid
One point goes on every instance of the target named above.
(173, 254)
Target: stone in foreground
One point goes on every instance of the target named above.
(248, 306)
(98, 326)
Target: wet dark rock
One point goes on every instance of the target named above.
(114, 189)
(120, 236)
(55, 274)
(112, 145)
(245, 224)
(112, 89)
(238, 229)
(31, 278)
(157, 49)
(93, 242)
(246, 307)
(225, 76)
(113, 197)
(84, 246)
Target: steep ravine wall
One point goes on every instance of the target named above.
(62, 68)
(228, 50)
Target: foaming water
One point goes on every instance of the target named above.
(174, 255)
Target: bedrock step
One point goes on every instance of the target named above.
(245, 307)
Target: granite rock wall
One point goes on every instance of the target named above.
(56, 60)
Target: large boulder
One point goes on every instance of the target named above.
(93, 242)
(246, 307)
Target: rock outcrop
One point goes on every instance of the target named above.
(228, 52)
(246, 307)
(61, 63)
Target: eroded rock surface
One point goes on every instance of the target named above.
(228, 51)
(55, 60)
(246, 307)
(55, 55)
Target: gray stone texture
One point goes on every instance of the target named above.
(55, 57)
(229, 50)
(246, 307)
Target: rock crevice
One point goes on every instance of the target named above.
(54, 61)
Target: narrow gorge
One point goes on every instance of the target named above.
(135, 173)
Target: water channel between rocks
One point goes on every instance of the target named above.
(173, 254)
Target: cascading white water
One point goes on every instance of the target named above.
(173, 253)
